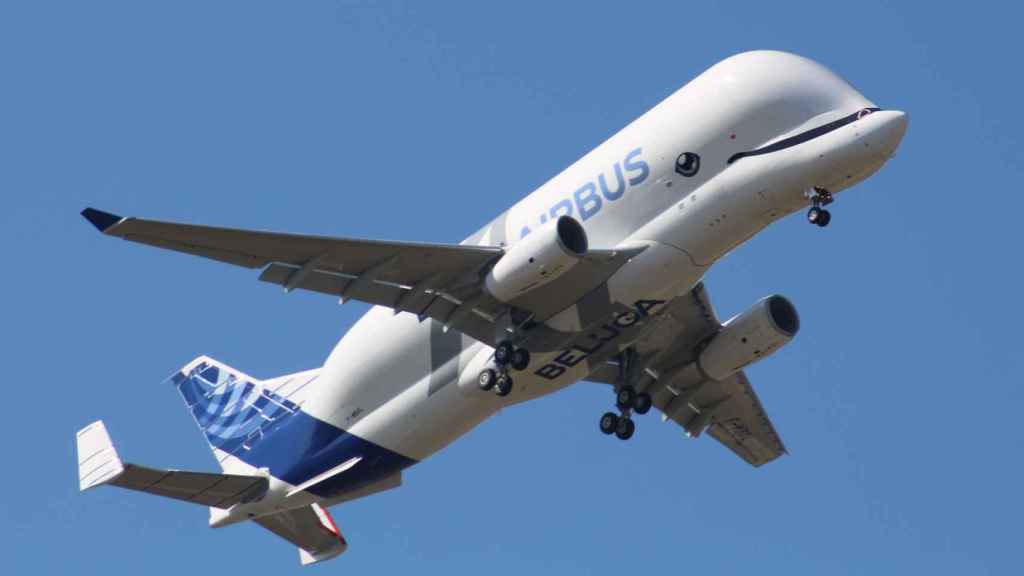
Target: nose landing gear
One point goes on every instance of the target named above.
(506, 356)
(817, 214)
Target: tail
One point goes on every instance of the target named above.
(235, 411)
(310, 528)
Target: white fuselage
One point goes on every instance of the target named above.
(409, 386)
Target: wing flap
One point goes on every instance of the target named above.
(334, 284)
(743, 426)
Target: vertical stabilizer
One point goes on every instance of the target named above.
(235, 411)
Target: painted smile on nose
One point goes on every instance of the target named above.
(804, 136)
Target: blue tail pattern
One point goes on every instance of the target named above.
(234, 414)
(242, 417)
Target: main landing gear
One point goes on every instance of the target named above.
(817, 214)
(627, 400)
(505, 356)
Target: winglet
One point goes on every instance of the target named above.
(100, 219)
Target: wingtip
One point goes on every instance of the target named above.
(100, 219)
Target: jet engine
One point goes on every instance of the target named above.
(749, 336)
(540, 257)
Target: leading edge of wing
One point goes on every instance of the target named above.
(141, 230)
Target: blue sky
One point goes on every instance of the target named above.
(899, 400)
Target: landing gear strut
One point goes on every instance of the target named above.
(817, 214)
(627, 399)
(506, 356)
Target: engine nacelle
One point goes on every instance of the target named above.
(539, 258)
(749, 336)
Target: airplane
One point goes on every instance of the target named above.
(597, 275)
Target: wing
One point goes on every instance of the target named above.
(439, 281)
(311, 529)
(728, 409)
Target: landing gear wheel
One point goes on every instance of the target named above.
(624, 429)
(814, 215)
(503, 353)
(486, 379)
(642, 403)
(624, 397)
(824, 218)
(817, 214)
(609, 422)
(503, 385)
(520, 359)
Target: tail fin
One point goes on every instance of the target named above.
(233, 410)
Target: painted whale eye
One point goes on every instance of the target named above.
(688, 164)
(864, 112)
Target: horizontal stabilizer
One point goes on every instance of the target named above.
(99, 463)
(311, 529)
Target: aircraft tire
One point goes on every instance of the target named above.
(503, 385)
(520, 359)
(624, 397)
(609, 422)
(503, 353)
(486, 379)
(814, 215)
(642, 403)
(825, 218)
(625, 428)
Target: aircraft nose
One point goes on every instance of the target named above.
(893, 127)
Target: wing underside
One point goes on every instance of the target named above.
(729, 410)
(439, 281)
